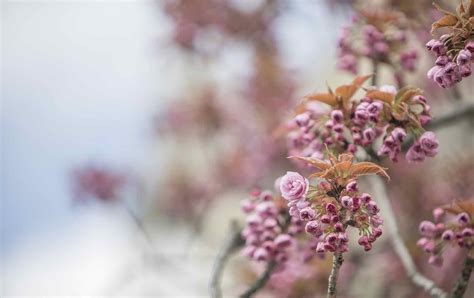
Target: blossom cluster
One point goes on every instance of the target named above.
(453, 49)
(98, 182)
(457, 230)
(327, 220)
(385, 113)
(268, 233)
(379, 41)
(334, 204)
(451, 66)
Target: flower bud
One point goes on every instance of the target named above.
(464, 57)
(365, 198)
(313, 228)
(337, 116)
(320, 248)
(307, 213)
(325, 219)
(338, 227)
(266, 195)
(248, 251)
(447, 235)
(283, 240)
(331, 208)
(463, 218)
(247, 206)
(369, 134)
(437, 214)
(427, 228)
(372, 208)
(346, 201)
(261, 254)
(467, 232)
(302, 119)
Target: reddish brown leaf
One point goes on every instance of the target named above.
(407, 94)
(314, 162)
(446, 21)
(322, 97)
(380, 95)
(347, 91)
(460, 207)
(358, 81)
(342, 168)
(367, 168)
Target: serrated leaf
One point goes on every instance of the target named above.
(460, 207)
(347, 91)
(301, 106)
(380, 95)
(446, 21)
(367, 168)
(359, 80)
(322, 97)
(343, 168)
(314, 162)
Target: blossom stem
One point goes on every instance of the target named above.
(375, 72)
(337, 260)
(138, 222)
(231, 244)
(261, 281)
(401, 250)
(463, 281)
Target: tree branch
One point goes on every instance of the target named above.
(337, 260)
(231, 244)
(380, 193)
(461, 284)
(261, 281)
(461, 112)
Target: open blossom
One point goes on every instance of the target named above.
(293, 186)
(452, 226)
(336, 204)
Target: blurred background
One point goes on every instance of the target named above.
(131, 130)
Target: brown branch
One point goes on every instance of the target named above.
(231, 244)
(337, 260)
(261, 281)
(380, 193)
(375, 70)
(460, 113)
(463, 281)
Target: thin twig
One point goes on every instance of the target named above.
(138, 222)
(375, 68)
(337, 260)
(463, 281)
(261, 281)
(231, 244)
(418, 279)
